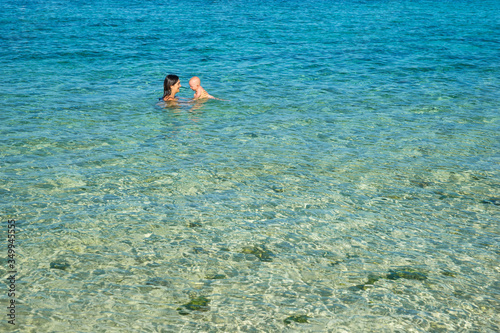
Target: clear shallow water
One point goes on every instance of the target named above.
(352, 175)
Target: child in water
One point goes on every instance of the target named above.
(199, 92)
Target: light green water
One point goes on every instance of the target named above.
(349, 182)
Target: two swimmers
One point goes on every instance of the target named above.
(172, 85)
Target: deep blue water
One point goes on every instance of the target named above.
(347, 182)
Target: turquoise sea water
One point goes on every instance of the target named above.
(348, 183)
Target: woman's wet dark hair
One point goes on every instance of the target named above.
(170, 80)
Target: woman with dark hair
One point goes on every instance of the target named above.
(171, 86)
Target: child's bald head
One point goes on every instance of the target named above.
(194, 83)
